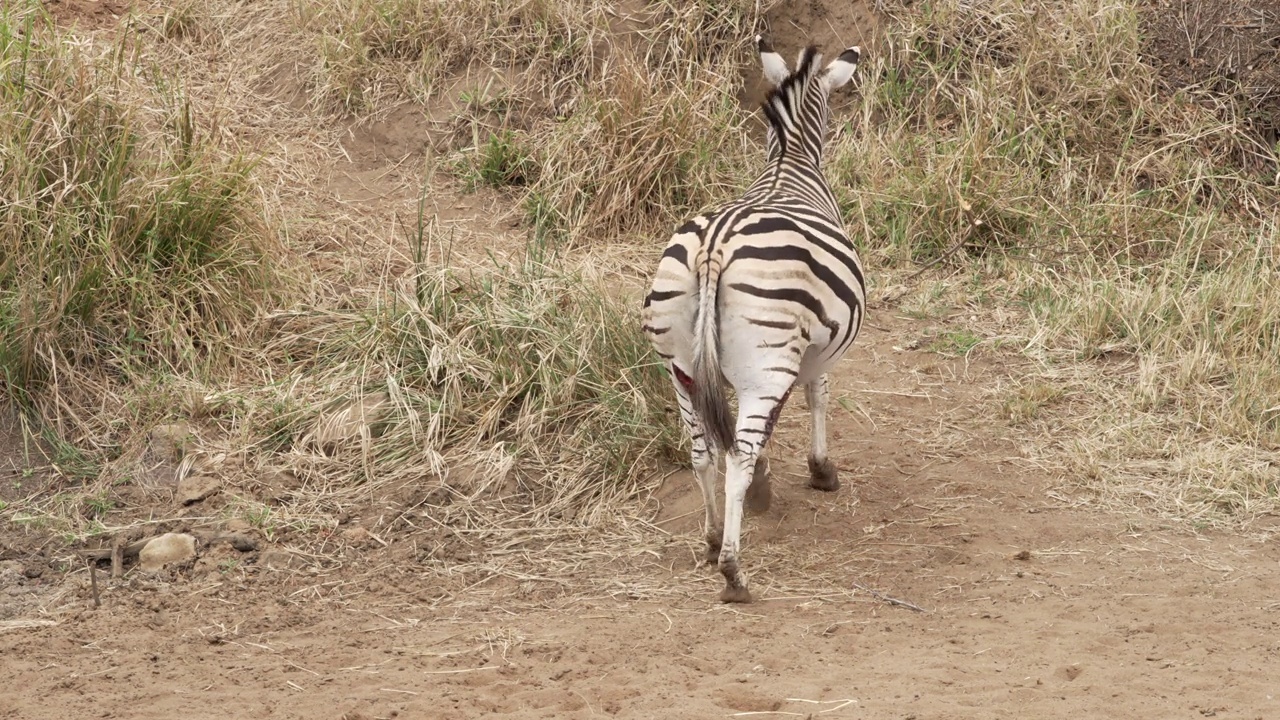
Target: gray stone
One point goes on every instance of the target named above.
(167, 549)
(194, 488)
(170, 441)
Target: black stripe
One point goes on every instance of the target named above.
(659, 296)
(795, 295)
(778, 223)
(655, 330)
(779, 126)
(678, 252)
(775, 324)
(690, 227)
(797, 253)
(784, 370)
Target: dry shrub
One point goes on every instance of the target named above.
(522, 385)
(126, 249)
(1032, 136)
(373, 50)
(639, 154)
(657, 133)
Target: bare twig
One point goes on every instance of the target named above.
(93, 583)
(891, 600)
(118, 552)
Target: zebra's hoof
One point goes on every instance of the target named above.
(735, 583)
(823, 475)
(731, 594)
(759, 492)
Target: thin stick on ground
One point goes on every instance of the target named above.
(93, 583)
(888, 599)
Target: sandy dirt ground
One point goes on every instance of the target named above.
(1032, 605)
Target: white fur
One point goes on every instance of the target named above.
(775, 68)
(839, 72)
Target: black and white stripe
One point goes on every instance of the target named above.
(765, 292)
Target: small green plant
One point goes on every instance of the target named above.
(547, 226)
(97, 506)
(259, 517)
(954, 342)
(505, 160)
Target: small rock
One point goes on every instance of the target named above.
(357, 536)
(243, 543)
(279, 485)
(1070, 672)
(194, 488)
(280, 560)
(162, 475)
(170, 441)
(166, 549)
(237, 525)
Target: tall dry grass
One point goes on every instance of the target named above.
(1026, 144)
(129, 246)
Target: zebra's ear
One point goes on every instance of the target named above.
(841, 69)
(775, 68)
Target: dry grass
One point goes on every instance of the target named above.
(130, 243)
(504, 412)
(1134, 230)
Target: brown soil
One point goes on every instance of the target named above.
(87, 14)
(948, 578)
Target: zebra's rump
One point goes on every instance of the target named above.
(784, 276)
(786, 263)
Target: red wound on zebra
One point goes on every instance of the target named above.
(685, 380)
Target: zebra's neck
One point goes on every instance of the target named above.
(797, 115)
(787, 179)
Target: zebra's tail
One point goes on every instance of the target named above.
(708, 394)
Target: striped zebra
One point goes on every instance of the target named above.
(764, 293)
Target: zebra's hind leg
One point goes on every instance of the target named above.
(704, 471)
(759, 492)
(704, 464)
(822, 472)
(756, 418)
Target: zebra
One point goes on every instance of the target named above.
(765, 292)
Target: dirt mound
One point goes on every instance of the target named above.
(1228, 49)
(87, 14)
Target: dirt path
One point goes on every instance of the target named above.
(1036, 607)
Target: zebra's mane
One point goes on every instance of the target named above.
(783, 97)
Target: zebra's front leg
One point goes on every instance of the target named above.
(822, 472)
(703, 460)
(756, 418)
